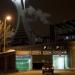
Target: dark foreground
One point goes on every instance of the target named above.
(39, 72)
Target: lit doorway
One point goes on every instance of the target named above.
(23, 62)
(60, 62)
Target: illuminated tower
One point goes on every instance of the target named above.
(21, 20)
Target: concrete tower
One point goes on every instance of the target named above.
(21, 21)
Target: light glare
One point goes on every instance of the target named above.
(8, 17)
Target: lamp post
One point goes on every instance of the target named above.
(7, 18)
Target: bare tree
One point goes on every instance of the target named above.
(8, 34)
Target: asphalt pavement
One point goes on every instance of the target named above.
(39, 72)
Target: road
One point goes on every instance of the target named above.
(39, 72)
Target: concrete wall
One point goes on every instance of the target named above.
(72, 53)
(7, 61)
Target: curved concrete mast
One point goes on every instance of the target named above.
(20, 6)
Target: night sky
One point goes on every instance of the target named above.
(60, 10)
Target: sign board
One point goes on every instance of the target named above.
(22, 52)
(46, 52)
(36, 52)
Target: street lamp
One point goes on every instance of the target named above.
(7, 18)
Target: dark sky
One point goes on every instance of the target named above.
(6, 7)
(59, 10)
